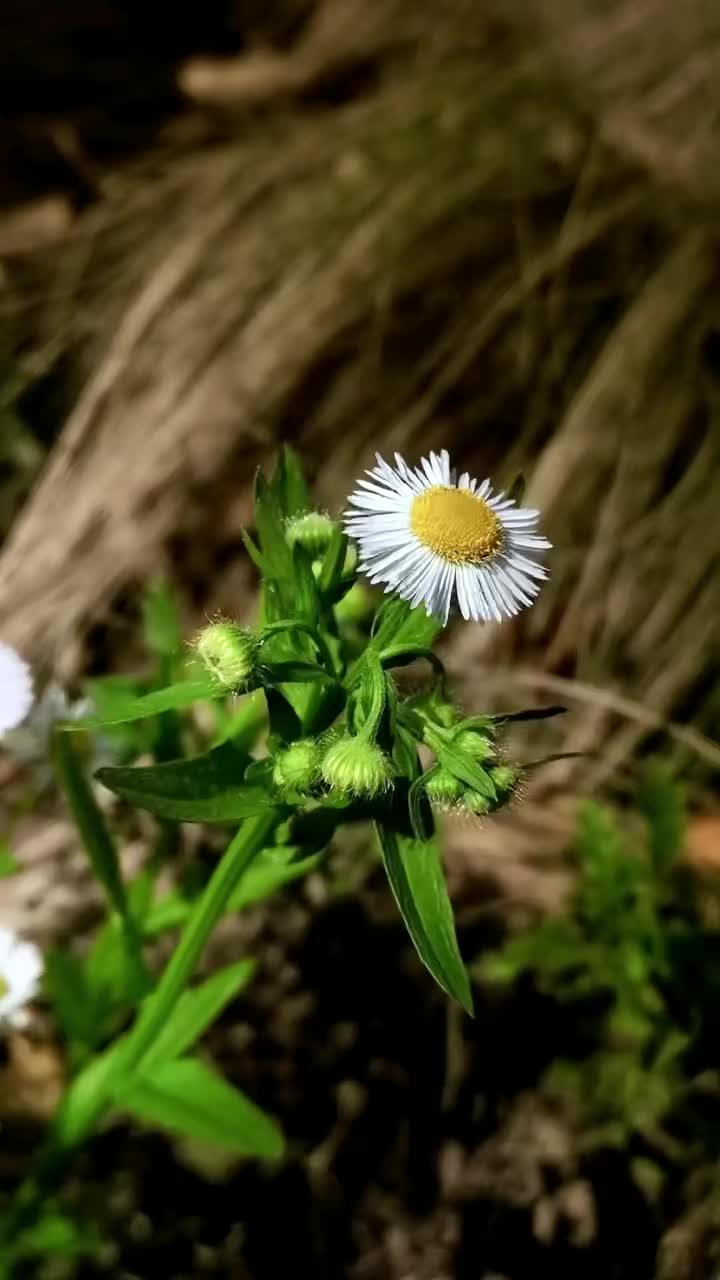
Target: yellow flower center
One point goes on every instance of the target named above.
(456, 524)
(4, 986)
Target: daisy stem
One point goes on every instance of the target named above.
(94, 1090)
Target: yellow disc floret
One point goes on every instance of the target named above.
(456, 524)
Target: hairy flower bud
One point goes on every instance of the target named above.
(312, 530)
(443, 789)
(298, 768)
(505, 778)
(230, 652)
(356, 766)
(477, 803)
(476, 745)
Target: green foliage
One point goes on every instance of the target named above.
(620, 956)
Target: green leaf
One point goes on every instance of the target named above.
(295, 672)
(88, 819)
(462, 766)
(275, 549)
(402, 656)
(306, 600)
(174, 697)
(289, 484)
(265, 878)
(333, 560)
(8, 863)
(161, 622)
(399, 626)
(72, 1000)
(260, 881)
(194, 1012)
(662, 804)
(416, 878)
(254, 552)
(206, 788)
(186, 1097)
(55, 1235)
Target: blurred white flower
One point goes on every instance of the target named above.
(30, 743)
(21, 967)
(16, 688)
(439, 541)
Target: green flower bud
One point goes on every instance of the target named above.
(230, 652)
(475, 745)
(443, 789)
(356, 606)
(505, 778)
(298, 768)
(312, 530)
(356, 766)
(476, 803)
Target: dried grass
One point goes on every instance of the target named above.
(505, 243)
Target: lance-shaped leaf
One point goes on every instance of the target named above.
(122, 708)
(186, 1097)
(196, 1009)
(416, 877)
(206, 788)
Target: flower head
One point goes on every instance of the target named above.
(16, 688)
(356, 766)
(439, 541)
(312, 530)
(443, 788)
(229, 652)
(476, 745)
(20, 970)
(298, 768)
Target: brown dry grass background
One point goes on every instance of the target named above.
(492, 228)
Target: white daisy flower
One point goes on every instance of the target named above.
(438, 541)
(21, 967)
(16, 688)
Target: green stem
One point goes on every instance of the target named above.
(91, 1093)
(243, 848)
(378, 698)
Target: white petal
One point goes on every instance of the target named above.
(16, 688)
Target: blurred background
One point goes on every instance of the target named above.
(355, 225)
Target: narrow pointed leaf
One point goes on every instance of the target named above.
(206, 788)
(188, 1098)
(196, 1009)
(89, 820)
(290, 484)
(461, 766)
(333, 560)
(416, 878)
(174, 697)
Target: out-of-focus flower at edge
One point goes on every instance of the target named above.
(438, 541)
(30, 742)
(16, 688)
(21, 967)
